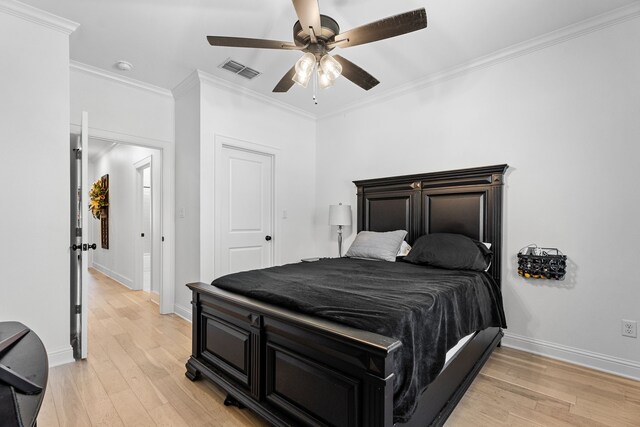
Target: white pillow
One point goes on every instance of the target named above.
(404, 249)
(380, 246)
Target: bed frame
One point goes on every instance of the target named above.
(293, 369)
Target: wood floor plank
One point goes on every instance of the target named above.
(130, 409)
(47, 415)
(69, 406)
(167, 416)
(134, 376)
(94, 397)
(138, 382)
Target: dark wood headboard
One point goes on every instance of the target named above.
(464, 201)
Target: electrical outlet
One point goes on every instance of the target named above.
(629, 328)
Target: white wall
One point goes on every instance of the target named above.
(120, 107)
(566, 119)
(118, 261)
(187, 196)
(229, 113)
(34, 176)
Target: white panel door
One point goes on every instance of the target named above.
(245, 185)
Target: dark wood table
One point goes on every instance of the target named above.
(28, 357)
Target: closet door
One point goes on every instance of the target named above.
(244, 188)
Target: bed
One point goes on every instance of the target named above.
(294, 368)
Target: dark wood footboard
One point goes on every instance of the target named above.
(290, 368)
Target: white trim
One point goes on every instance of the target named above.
(60, 357)
(183, 312)
(38, 16)
(123, 138)
(124, 281)
(600, 362)
(219, 83)
(114, 77)
(607, 19)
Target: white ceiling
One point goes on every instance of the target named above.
(165, 39)
(98, 147)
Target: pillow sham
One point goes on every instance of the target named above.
(374, 245)
(450, 251)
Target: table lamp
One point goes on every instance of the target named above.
(340, 215)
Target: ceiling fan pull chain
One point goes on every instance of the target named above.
(315, 84)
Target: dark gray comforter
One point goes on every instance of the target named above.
(427, 309)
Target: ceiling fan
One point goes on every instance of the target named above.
(316, 35)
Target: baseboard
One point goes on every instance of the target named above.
(124, 281)
(155, 297)
(183, 312)
(60, 357)
(600, 362)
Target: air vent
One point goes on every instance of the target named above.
(239, 69)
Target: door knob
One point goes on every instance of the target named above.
(267, 238)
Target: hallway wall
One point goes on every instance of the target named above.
(118, 262)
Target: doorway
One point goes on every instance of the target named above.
(163, 229)
(144, 218)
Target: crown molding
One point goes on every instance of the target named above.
(217, 82)
(108, 75)
(38, 16)
(187, 84)
(579, 29)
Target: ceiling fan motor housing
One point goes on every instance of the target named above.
(330, 29)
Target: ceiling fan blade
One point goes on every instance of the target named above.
(356, 74)
(255, 43)
(383, 29)
(308, 13)
(286, 82)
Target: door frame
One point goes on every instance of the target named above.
(167, 203)
(221, 142)
(140, 166)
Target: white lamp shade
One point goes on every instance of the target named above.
(340, 215)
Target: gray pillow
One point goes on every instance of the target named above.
(373, 245)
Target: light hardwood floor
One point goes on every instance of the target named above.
(134, 376)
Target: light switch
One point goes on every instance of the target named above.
(181, 213)
(284, 214)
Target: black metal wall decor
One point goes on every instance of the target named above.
(104, 216)
(541, 263)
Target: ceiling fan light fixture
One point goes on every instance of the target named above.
(323, 80)
(302, 79)
(330, 67)
(306, 63)
(304, 69)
